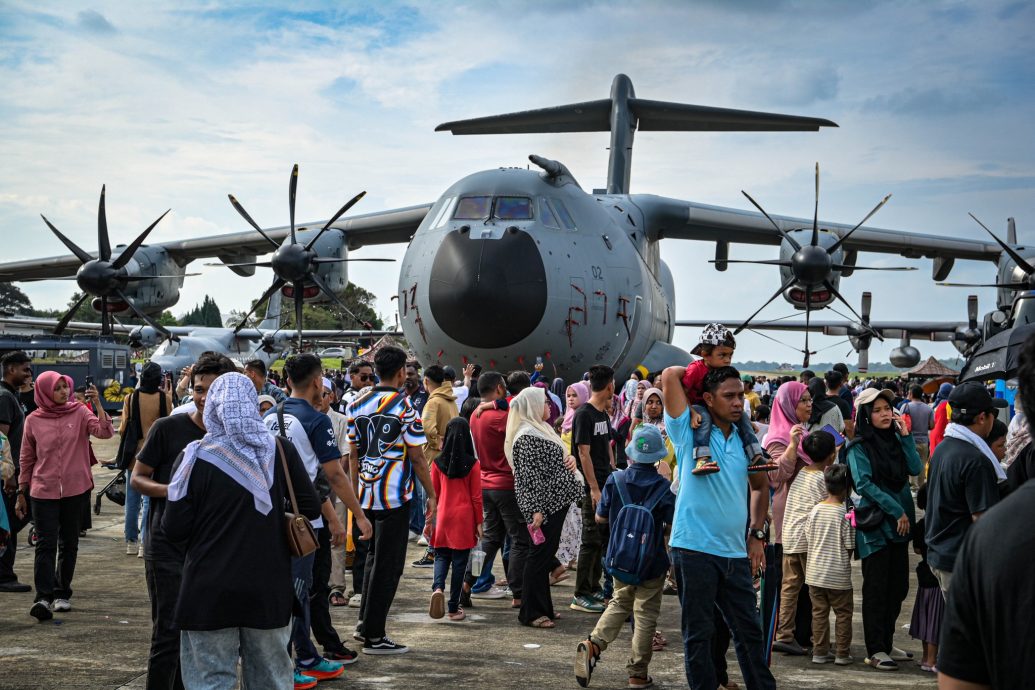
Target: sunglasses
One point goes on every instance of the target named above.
(365, 377)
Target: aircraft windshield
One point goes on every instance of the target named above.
(473, 208)
(562, 212)
(168, 348)
(513, 208)
(547, 216)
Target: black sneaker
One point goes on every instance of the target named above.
(425, 561)
(465, 600)
(41, 611)
(385, 645)
(343, 655)
(14, 586)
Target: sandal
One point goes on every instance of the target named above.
(338, 599)
(705, 467)
(554, 579)
(658, 642)
(542, 622)
(585, 661)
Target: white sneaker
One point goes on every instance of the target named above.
(422, 540)
(491, 593)
(61, 605)
(355, 601)
(140, 550)
(824, 659)
(844, 660)
(413, 536)
(131, 548)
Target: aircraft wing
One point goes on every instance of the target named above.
(83, 326)
(917, 330)
(688, 220)
(383, 227)
(311, 333)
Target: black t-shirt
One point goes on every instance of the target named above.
(166, 440)
(843, 405)
(986, 631)
(592, 428)
(12, 413)
(961, 482)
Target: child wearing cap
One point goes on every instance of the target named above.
(639, 485)
(715, 348)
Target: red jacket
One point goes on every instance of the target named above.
(489, 431)
(459, 510)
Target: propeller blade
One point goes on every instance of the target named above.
(845, 267)
(244, 214)
(1011, 231)
(105, 317)
(972, 312)
(867, 302)
(1009, 286)
(72, 246)
(138, 279)
(808, 301)
(320, 283)
(766, 262)
(837, 245)
(299, 303)
(787, 284)
(103, 243)
(783, 233)
(63, 323)
(277, 284)
(815, 228)
(864, 359)
(1018, 259)
(336, 216)
(128, 252)
(140, 314)
(833, 290)
(329, 260)
(266, 264)
(292, 189)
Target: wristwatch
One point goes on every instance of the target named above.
(758, 534)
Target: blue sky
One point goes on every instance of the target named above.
(178, 104)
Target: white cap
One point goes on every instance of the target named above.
(327, 384)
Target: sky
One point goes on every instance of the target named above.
(175, 105)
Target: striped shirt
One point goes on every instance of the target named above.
(382, 423)
(807, 489)
(831, 539)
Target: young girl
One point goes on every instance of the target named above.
(930, 604)
(456, 476)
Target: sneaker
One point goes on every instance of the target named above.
(844, 660)
(355, 601)
(465, 600)
(13, 586)
(131, 548)
(823, 658)
(343, 655)
(61, 605)
(41, 611)
(140, 550)
(422, 541)
(586, 660)
(490, 593)
(358, 636)
(438, 604)
(321, 669)
(586, 605)
(900, 654)
(425, 561)
(705, 466)
(303, 682)
(882, 662)
(598, 596)
(414, 536)
(791, 648)
(385, 645)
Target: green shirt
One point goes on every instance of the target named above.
(892, 503)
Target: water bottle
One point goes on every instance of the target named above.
(477, 561)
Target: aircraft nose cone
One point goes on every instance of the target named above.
(488, 293)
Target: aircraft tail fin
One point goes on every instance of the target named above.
(622, 114)
(272, 320)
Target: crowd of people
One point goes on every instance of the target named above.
(747, 498)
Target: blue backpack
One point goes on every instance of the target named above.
(630, 551)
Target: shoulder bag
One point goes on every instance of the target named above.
(130, 436)
(301, 536)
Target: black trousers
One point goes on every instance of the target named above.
(386, 559)
(319, 591)
(359, 560)
(885, 585)
(591, 552)
(163, 586)
(536, 600)
(502, 519)
(57, 524)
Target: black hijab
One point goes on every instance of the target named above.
(150, 378)
(887, 460)
(821, 404)
(457, 456)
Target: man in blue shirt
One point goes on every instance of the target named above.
(715, 548)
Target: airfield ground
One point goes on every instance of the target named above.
(103, 642)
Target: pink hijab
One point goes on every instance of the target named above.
(581, 389)
(784, 416)
(44, 396)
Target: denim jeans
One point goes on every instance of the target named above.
(417, 508)
(706, 581)
(443, 559)
(136, 514)
(302, 581)
(208, 659)
(703, 433)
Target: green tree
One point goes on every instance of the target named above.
(322, 316)
(13, 300)
(204, 314)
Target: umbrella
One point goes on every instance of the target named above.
(999, 357)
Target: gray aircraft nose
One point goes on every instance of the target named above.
(488, 293)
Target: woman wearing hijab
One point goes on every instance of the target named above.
(546, 486)
(152, 404)
(882, 457)
(456, 476)
(634, 406)
(653, 414)
(575, 396)
(55, 475)
(824, 410)
(227, 501)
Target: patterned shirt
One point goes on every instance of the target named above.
(807, 489)
(382, 423)
(831, 539)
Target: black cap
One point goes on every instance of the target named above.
(972, 398)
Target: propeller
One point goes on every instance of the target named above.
(103, 278)
(1028, 283)
(860, 335)
(294, 263)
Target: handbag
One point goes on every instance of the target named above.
(130, 436)
(301, 536)
(868, 517)
(115, 491)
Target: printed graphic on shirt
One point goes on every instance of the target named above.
(382, 424)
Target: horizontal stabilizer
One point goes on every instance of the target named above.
(592, 116)
(662, 116)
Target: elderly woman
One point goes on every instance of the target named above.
(546, 485)
(226, 504)
(55, 474)
(881, 459)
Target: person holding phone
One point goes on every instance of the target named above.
(882, 459)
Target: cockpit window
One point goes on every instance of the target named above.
(563, 214)
(547, 216)
(473, 208)
(513, 208)
(443, 213)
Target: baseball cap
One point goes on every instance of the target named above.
(714, 334)
(972, 398)
(871, 394)
(747, 378)
(647, 445)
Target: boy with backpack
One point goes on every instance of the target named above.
(639, 506)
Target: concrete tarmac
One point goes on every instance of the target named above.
(103, 642)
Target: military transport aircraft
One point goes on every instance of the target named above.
(511, 264)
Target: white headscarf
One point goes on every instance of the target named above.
(526, 417)
(236, 441)
(963, 433)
